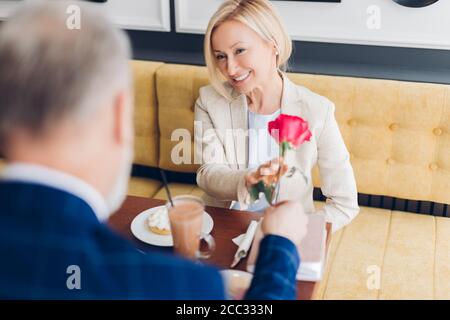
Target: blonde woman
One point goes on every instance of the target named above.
(246, 48)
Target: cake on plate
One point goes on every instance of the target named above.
(158, 221)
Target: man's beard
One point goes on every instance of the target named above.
(120, 188)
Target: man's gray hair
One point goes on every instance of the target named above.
(50, 72)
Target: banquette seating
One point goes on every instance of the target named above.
(398, 135)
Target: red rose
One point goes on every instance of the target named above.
(291, 130)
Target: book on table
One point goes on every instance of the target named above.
(312, 250)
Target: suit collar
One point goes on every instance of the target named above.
(35, 203)
(38, 174)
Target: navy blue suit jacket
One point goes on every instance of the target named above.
(49, 237)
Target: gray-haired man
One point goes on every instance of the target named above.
(66, 131)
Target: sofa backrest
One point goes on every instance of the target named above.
(177, 90)
(146, 135)
(397, 133)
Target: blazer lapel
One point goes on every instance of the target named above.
(291, 102)
(239, 122)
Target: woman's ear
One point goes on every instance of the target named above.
(275, 48)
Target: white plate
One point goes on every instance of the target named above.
(236, 282)
(142, 232)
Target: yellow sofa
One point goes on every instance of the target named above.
(398, 134)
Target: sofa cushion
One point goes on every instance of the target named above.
(397, 133)
(411, 252)
(177, 89)
(177, 189)
(146, 149)
(442, 259)
(143, 187)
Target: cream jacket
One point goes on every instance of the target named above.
(222, 147)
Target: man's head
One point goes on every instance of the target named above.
(66, 94)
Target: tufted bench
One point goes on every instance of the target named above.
(146, 133)
(174, 110)
(398, 135)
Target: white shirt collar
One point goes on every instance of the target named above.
(33, 173)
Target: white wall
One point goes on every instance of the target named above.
(129, 14)
(344, 22)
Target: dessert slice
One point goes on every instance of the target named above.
(158, 221)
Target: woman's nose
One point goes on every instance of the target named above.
(231, 67)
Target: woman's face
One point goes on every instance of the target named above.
(245, 59)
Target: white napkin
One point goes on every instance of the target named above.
(237, 241)
(245, 240)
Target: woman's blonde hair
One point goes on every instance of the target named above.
(258, 15)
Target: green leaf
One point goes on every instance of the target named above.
(268, 193)
(255, 190)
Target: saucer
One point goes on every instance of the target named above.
(141, 231)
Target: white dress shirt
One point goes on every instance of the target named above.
(261, 148)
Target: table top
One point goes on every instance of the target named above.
(228, 224)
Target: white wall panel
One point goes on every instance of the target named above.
(344, 22)
(151, 15)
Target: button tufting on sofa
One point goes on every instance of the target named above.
(433, 166)
(437, 131)
(393, 126)
(390, 161)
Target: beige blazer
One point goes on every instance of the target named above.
(224, 152)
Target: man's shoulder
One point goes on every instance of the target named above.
(40, 225)
(39, 199)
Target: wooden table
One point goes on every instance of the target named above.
(227, 225)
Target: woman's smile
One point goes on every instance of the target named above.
(240, 80)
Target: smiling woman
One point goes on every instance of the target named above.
(266, 41)
(246, 49)
(248, 61)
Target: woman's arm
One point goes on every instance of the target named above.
(336, 174)
(216, 176)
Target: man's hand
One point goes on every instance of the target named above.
(286, 219)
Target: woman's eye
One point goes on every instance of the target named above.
(220, 57)
(239, 51)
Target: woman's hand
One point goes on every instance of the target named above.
(269, 172)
